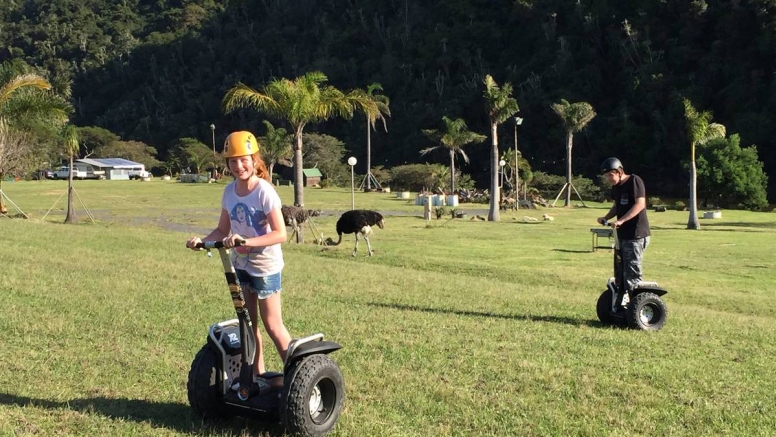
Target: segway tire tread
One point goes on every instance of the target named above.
(203, 386)
(657, 306)
(603, 310)
(301, 381)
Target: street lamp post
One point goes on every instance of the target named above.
(501, 165)
(213, 131)
(518, 121)
(352, 162)
(501, 187)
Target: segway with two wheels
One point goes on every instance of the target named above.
(221, 381)
(641, 308)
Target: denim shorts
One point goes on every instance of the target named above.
(263, 286)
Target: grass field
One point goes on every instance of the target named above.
(454, 327)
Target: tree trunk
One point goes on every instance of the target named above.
(495, 196)
(452, 172)
(692, 222)
(368, 157)
(71, 216)
(569, 140)
(298, 178)
(3, 208)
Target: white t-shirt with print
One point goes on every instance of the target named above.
(248, 217)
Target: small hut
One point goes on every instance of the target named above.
(312, 176)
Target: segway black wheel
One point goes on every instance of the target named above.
(315, 390)
(647, 312)
(604, 310)
(204, 386)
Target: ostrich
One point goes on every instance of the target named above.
(296, 216)
(359, 221)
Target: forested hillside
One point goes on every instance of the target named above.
(156, 71)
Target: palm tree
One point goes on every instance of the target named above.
(700, 131)
(26, 100)
(501, 106)
(454, 137)
(575, 117)
(381, 102)
(276, 146)
(70, 135)
(300, 102)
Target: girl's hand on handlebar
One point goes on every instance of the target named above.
(192, 243)
(234, 240)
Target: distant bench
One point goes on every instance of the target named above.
(602, 232)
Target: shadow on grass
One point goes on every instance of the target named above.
(168, 415)
(761, 225)
(577, 251)
(530, 318)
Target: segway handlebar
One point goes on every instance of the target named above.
(216, 244)
(609, 224)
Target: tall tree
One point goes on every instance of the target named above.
(299, 102)
(454, 137)
(731, 176)
(700, 130)
(70, 136)
(379, 112)
(500, 106)
(575, 116)
(276, 146)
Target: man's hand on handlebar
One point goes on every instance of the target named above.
(602, 221)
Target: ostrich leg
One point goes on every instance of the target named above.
(368, 245)
(355, 250)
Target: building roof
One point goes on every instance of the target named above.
(111, 162)
(311, 172)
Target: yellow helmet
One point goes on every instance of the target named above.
(240, 143)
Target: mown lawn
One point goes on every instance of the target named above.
(454, 327)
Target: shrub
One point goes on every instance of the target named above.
(549, 186)
(679, 205)
(653, 201)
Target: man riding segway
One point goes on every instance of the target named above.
(632, 237)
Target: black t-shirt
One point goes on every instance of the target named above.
(624, 196)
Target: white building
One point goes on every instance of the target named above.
(118, 168)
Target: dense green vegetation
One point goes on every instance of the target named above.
(156, 71)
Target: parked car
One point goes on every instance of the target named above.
(43, 174)
(138, 173)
